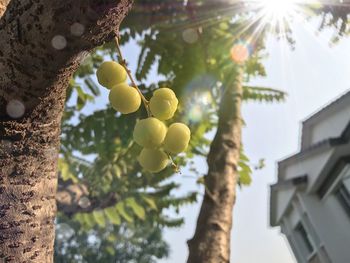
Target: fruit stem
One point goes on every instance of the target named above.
(173, 164)
(122, 61)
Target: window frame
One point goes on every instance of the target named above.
(305, 242)
(343, 195)
(334, 178)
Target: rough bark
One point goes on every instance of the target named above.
(35, 66)
(211, 241)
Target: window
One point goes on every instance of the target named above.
(343, 194)
(335, 178)
(303, 239)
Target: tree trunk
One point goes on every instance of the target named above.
(211, 241)
(42, 44)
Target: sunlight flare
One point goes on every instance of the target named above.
(278, 9)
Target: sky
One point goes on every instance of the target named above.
(313, 74)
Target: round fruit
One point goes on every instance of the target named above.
(124, 98)
(111, 73)
(149, 133)
(163, 104)
(177, 138)
(164, 93)
(153, 160)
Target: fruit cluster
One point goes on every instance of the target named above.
(152, 134)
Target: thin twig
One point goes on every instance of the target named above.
(122, 61)
(173, 164)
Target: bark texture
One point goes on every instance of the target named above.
(42, 44)
(211, 241)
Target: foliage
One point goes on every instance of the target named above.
(203, 66)
(97, 148)
(139, 243)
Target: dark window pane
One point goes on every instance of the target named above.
(304, 238)
(343, 195)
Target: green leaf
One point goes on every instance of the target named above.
(85, 219)
(138, 209)
(176, 222)
(244, 167)
(121, 209)
(99, 217)
(245, 179)
(260, 165)
(110, 250)
(263, 94)
(243, 157)
(88, 219)
(201, 180)
(117, 171)
(82, 97)
(113, 215)
(92, 86)
(64, 170)
(150, 202)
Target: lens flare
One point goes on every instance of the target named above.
(198, 98)
(198, 105)
(15, 109)
(240, 52)
(205, 98)
(190, 35)
(195, 113)
(278, 9)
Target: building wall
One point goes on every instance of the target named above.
(311, 166)
(330, 127)
(287, 225)
(326, 223)
(331, 224)
(287, 230)
(283, 197)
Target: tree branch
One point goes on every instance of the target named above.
(70, 196)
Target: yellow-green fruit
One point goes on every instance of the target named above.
(111, 73)
(124, 98)
(153, 160)
(149, 133)
(163, 104)
(177, 138)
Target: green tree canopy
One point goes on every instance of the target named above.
(112, 200)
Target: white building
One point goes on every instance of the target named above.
(311, 199)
